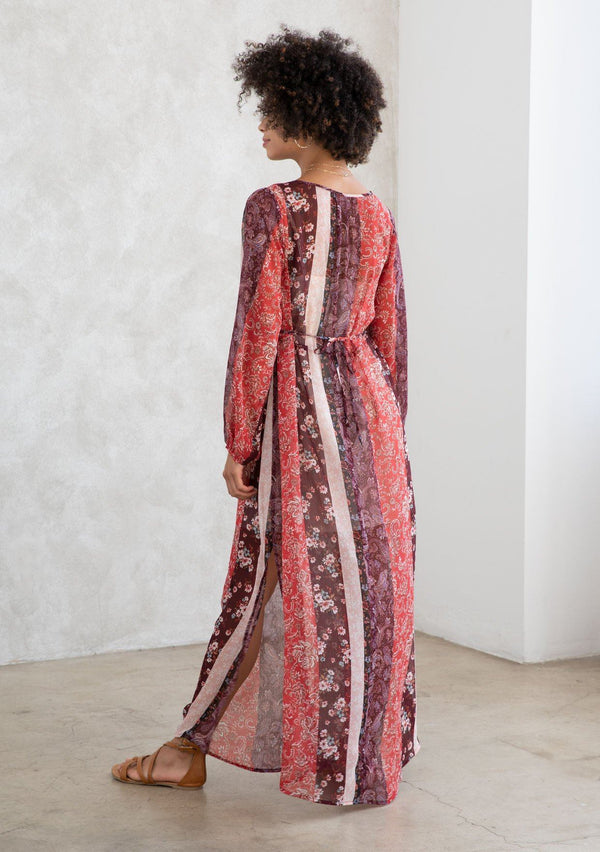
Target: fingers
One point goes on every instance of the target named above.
(235, 485)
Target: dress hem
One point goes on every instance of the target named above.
(296, 795)
(314, 801)
(240, 765)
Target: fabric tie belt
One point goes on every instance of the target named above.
(324, 343)
(349, 411)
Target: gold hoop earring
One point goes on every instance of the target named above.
(302, 146)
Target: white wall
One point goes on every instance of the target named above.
(498, 177)
(562, 554)
(463, 108)
(125, 170)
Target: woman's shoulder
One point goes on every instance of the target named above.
(265, 208)
(267, 200)
(263, 194)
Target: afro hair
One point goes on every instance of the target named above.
(314, 86)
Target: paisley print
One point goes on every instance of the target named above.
(315, 405)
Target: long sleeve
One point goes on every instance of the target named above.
(257, 323)
(388, 328)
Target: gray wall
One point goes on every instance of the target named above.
(463, 224)
(125, 169)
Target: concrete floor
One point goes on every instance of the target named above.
(509, 759)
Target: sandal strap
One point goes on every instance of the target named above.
(139, 768)
(152, 760)
(196, 774)
(183, 744)
(124, 766)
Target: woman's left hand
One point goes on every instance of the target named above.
(233, 477)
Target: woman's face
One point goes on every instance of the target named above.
(274, 144)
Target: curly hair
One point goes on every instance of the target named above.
(314, 86)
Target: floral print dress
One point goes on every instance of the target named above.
(314, 407)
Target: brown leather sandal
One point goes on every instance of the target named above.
(192, 780)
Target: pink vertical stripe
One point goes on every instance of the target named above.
(235, 642)
(337, 488)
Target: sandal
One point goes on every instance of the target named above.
(192, 780)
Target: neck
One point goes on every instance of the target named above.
(311, 162)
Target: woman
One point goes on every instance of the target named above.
(310, 668)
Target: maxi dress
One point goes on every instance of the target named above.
(314, 407)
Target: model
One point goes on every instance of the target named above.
(310, 668)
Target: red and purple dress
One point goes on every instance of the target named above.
(315, 404)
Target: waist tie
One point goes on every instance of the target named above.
(324, 343)
(350, 412)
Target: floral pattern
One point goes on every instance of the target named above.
(315, 405)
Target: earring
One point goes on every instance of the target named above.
(302, 146)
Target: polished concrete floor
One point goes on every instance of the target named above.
(509, 759)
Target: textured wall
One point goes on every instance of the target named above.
(125, 171)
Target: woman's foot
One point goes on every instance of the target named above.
(170, 764)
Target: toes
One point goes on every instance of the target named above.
(132, 772)
(117, 770)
